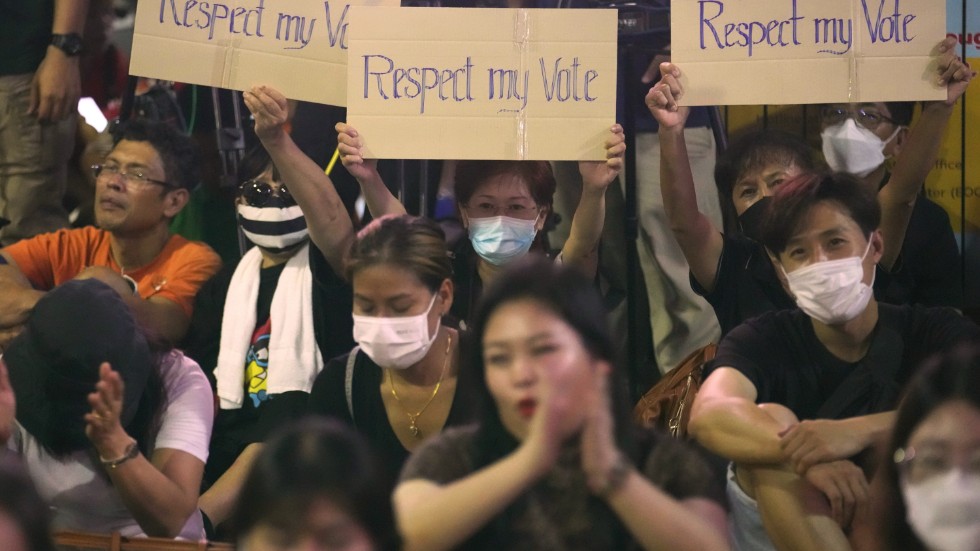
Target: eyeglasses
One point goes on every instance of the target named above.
(134, 178)
(921, 465)
(866, 117)
(513, 210)
(257, 193)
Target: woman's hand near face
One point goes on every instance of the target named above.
(558, 415)
(600, 457)
(102, 425)
(349, 144)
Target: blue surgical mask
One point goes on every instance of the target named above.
(500, 239)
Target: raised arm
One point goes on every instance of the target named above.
(160, 492)
(919, 152)
(582, 246)
(700, 241)
(378, 197)
(330, 225)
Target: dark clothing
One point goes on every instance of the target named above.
(559, 512)
(25, 32)
(467, 285)
(780, 353)
(928, 268)
(329, 398)
(746, 284)
(235, 429)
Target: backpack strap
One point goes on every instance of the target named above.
(873, 380)
(349, 380)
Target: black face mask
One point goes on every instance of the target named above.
(752, 220)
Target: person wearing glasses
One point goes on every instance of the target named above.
(140, 187)
(731, 270)
(929, 498)
(858, 138)
(262, 329)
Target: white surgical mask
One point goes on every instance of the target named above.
(395, 343)
(500, 239)
(854, 149)
(831, 291)
(944, 511)
(273, 228)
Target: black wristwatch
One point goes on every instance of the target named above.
(71, 44)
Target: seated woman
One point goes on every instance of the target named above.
(504, 207)
(403, 382)
(315, 484)
(263, 327)
(552, 463)
(731, 270)
(114, 434)
(930, 491)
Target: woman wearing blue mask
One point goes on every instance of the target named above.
(504, 207)
(401, 383)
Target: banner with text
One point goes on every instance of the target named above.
(807, 51)
(299, 46)
(467, 83)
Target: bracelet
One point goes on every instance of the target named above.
(132, 450)
(615, 478)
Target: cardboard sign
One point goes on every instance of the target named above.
(299, 46)
(807, 51)
(444, 83)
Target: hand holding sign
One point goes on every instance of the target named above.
(662, 99)
(955, 73)
(349, 144)
(597, 175)
(270, 110)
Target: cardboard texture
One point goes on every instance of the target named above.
(749, 52)
(443, 83)
(299, 46)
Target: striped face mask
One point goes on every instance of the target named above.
(272, 227)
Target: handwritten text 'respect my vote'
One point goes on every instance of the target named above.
(883, 19)
(562, 81)
(295, 31)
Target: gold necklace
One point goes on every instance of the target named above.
(412, 418)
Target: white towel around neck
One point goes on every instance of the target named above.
(294, 357)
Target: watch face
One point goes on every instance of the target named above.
(71, 44)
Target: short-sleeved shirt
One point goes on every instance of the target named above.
(559, 512)
(781, 355)
(81, 494)
(329, 398)
(177, 272)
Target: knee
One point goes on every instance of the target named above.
(782, 414)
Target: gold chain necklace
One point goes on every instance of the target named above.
(412, 418)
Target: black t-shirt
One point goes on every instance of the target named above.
(928, 269)
(329, 398)
(746, 284)
(780, 353)
(234, 429)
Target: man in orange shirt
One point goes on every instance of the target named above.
(143, 183)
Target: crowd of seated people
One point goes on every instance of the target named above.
(373, 386)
